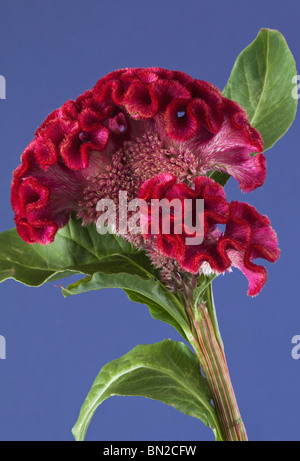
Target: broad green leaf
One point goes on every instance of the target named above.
(166, 371)
(162, 304)
(261, 81)
(203, 282)
(108, 261)
(76, 249)
(155, 309)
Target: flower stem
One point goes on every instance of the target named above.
(210, 353)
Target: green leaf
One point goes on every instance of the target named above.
(220, 177)
(166, 371)
(203, 283)
(156, 310)
(108, 262)
(147, 290)
(76, 249)
(261, 82)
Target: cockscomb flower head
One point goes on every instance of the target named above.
(248, 234)
(132, 126)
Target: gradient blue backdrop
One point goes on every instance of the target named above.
(53, 51)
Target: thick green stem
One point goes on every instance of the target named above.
(210, 353)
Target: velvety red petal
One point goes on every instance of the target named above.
(213, 99)
(69, 110)
(146, 75)
(203, 113)
(110, 91)
(139, 102)
(173, 75)
(88, 118)
(84, 99)
(118, 124)
(216, 209)
(46, 153)
(53, 116)
(28, 164)
(181, 124)
(264, 240)
(208, 252)
(33, 196)
(240, 121)
(229, 151)
(43, 232)
(77, 145)
(156, 188)
(256, 275)
(261, 242)
(164, 91)
(94, 113)
(171, 245)
(70, 150)
(96, 138)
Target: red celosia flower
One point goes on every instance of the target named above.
(247, 236)
(133, 125)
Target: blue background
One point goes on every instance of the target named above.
(53, 51)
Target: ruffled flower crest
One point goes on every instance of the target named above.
(248, 234)
(132, 126)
